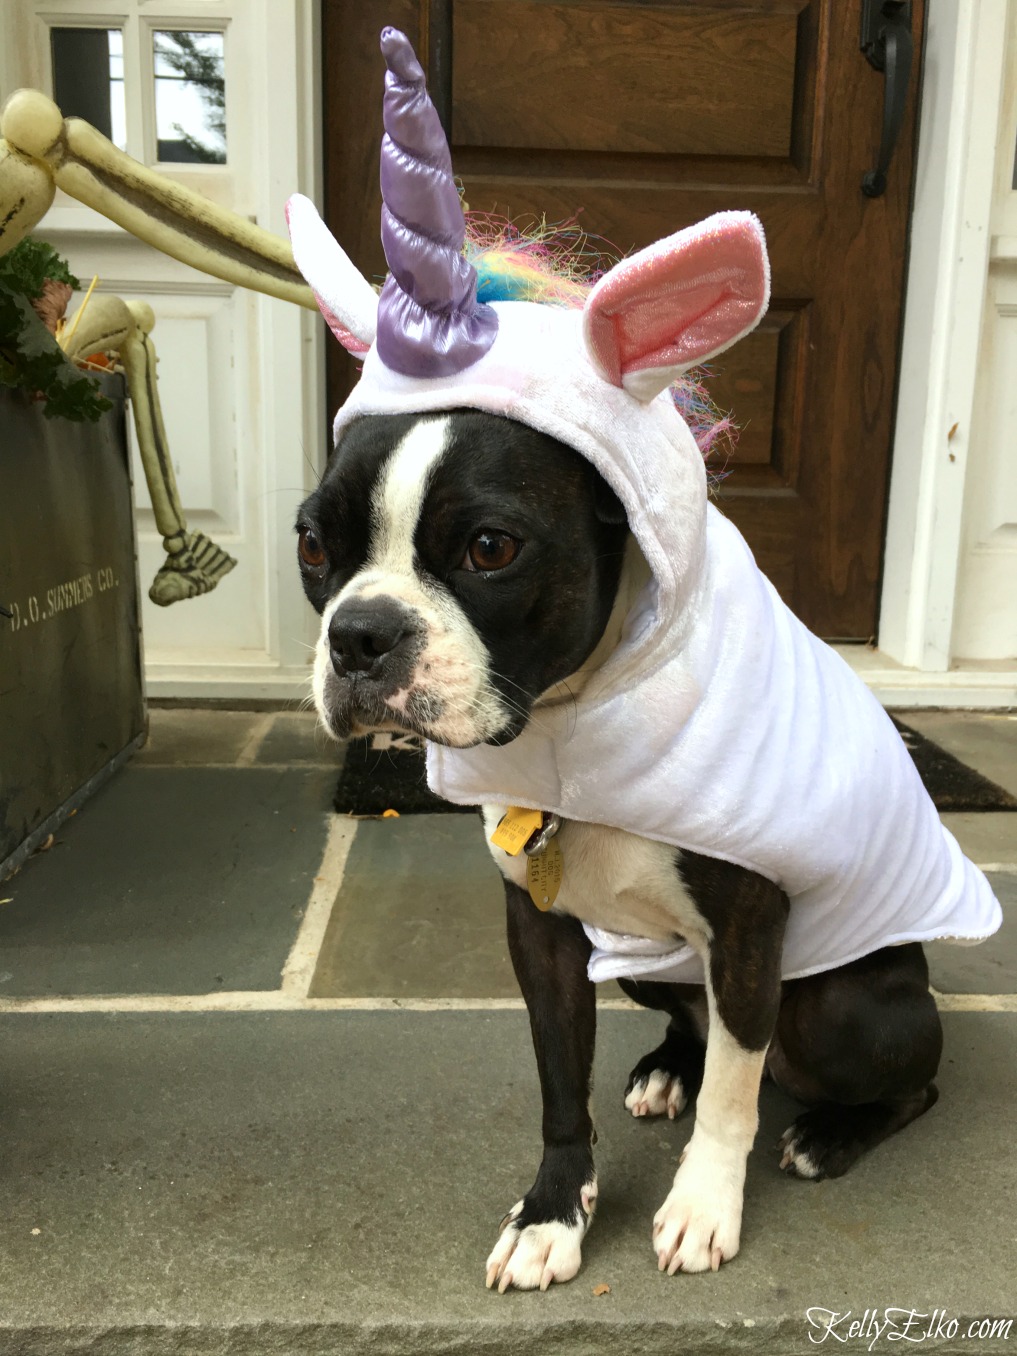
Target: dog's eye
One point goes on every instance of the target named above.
(310, 549)
(491, 551)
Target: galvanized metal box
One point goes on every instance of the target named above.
(72, 702)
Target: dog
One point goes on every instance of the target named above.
(472, 574)
(513, 557)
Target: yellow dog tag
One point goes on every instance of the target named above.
(543, 875)
(515, 829)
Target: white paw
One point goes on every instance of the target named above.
(533, 1257)
(796, 1161)
(699, 1225)
(655, 1095)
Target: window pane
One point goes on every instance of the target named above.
(190, 97)
(88, 78)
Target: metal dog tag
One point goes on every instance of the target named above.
(544, 874)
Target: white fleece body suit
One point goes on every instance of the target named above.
(720, 724)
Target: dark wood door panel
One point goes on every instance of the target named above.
(623, 78)
(643, 118)
(761, 378)
(763, 520)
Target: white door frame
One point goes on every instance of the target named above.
(291, 376)
(945, 299)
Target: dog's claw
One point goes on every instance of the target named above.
(716, 1259)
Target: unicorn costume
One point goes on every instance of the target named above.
(719, 724)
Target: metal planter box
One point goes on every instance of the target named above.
(72, 701)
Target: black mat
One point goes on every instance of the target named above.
(952, 785)
(386, 772)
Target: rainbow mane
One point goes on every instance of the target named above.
(554, 265)
(557, 265)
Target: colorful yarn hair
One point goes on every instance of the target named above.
(557, 265)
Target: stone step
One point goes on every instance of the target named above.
(324, 1182)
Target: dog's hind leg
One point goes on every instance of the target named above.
(862, 1043)
(665, 1080)
(542, 1234)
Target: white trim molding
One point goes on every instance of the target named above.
(987, 686)
(946, 290)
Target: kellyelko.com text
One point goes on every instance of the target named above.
(872, 1326)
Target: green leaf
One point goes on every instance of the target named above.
(30, 265)
(32, 360)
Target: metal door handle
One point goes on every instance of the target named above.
(889, 47)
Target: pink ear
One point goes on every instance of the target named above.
(678, 303)
(349, 341)
(345, 298)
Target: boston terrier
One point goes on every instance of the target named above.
(513, 556)
(472, 574)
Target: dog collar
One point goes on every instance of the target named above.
(539, 839)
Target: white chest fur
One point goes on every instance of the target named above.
(614, 880)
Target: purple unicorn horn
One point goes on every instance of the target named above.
(430, 323)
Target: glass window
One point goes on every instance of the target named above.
(190, 97)
(88, 78)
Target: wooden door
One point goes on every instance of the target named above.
(646, 117)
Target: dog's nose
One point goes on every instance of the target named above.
(361, 634)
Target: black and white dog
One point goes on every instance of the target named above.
(472, 573)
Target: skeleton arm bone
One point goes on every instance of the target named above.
(194, 563)
(41, 145)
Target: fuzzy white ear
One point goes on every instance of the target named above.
(677, 303)
(345, 298)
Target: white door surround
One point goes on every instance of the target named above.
(943, 640)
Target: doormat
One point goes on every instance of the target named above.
(952, 784)
(386, 772)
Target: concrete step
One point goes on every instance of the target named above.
(315, 1182)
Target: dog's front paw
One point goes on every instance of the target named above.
(530, 1254)
(699, 1225)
